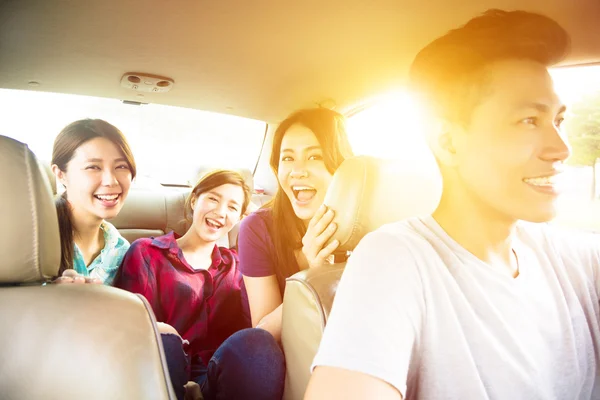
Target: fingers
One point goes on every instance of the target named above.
(70, 273)
(327, 251)
(63, 279)
(166, 328)
(192, 391)
(324, 236)
(318, 224)
(324, 222)
(71, 276)
(318, 215)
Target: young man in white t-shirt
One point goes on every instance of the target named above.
(479, 300)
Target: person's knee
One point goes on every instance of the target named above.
(254, 337)
(254, 345)
(249, 364)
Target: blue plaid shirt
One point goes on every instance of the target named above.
(106, 264)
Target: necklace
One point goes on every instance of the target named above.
(518, 269)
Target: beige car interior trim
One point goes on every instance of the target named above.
(306, 306)
(260, 59)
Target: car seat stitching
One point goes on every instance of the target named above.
(157, 336)
(34, 211)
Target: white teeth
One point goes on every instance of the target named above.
(542, 181)
(298, 188)
(213, 223)
(107, 197)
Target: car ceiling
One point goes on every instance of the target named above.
(259, 59)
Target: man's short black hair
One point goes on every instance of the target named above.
(449, 73)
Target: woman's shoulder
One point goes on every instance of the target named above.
(229, 256)
(112, 236)
(260, 219)
(151, 252)
(154, 244)
(141, 244)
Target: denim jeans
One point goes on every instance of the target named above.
(248, 365)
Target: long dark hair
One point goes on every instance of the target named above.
(66, 143)
(329, 128)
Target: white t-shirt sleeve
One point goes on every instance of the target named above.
(593, 244)
(376, 318)
(580, 250)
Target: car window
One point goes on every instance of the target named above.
(579, 88)
(392, 127)
(170, 144)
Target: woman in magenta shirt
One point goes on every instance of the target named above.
(290, 233)
(195, 286)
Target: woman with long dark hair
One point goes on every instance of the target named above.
(290, 233)
(93, 161)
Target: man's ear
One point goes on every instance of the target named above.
(60, 175)
(446, 143)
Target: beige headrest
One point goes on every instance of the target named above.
(366, 193)
(29, 238)
(245, 172)
(151, 213)
(51, 177)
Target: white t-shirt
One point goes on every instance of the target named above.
(417, 310)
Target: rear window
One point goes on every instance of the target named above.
(392, 128)
(170, 144)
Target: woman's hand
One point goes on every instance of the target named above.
(71, 276)
(320, 229)
(166, 328)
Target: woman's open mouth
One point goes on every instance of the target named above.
(108, 200)
(304, 194)
(213, 224)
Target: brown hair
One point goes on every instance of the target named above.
(215, 179)
(66, 143)
(449, 73)
(329, 128)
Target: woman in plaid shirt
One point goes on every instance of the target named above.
(195, 286)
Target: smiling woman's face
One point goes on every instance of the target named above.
(217, 211)
(302, 173)
(97, 180)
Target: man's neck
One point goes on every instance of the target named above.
(482, 231)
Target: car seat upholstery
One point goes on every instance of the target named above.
(365, 193)
(151, 213)
(64, 341)
(51, 177)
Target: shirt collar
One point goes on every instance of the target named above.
(112, 237)
(217, 258)
(169, 242)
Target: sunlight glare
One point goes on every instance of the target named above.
(393, 127)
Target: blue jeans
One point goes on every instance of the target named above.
(248, 365)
